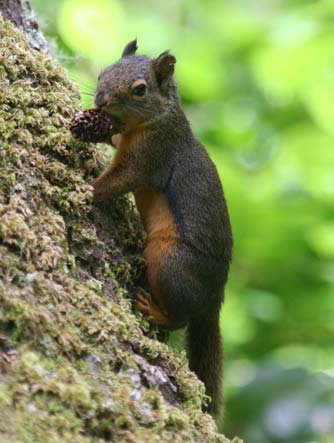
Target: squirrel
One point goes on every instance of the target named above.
(181, 203)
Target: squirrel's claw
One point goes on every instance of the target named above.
(152, 312)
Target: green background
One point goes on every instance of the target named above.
(257, 82)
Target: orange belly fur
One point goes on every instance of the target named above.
(161, 232)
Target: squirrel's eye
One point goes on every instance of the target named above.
(139, 90)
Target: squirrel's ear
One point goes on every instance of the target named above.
(130, 48)
(164, 67)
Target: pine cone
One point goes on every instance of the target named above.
(93, 125)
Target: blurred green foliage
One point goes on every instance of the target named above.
(257, 81)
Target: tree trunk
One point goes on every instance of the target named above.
(76, 363)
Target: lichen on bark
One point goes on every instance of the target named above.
(76, 363)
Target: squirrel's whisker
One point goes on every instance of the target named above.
(133, 108)
(88, 87)
(140, 111)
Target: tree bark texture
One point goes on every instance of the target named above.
(21, 15)
(76, 363)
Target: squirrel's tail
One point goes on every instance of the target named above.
(205, 353)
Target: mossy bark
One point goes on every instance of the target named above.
(76, 363)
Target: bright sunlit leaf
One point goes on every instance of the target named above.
(321, 239)
(96, 29)
(285, 71)
(200, 72)
(319, 98)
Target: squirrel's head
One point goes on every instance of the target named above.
(137, 89)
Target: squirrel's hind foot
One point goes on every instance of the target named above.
(152, 312)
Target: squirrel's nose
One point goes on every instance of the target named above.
(100, 99)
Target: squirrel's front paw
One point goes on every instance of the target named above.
(98, 192)
(93, 183)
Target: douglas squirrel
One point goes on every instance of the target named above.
(179, 197)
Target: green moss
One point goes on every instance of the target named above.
(78, 364)
(5, 396)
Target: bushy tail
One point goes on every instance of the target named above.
(205, 353)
